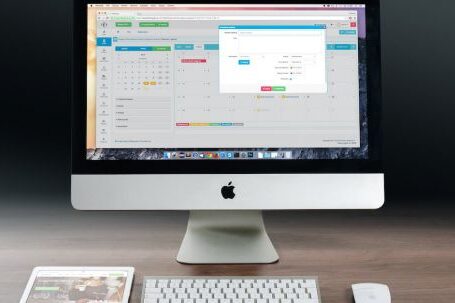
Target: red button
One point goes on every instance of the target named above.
(266, 88)
(353, 24)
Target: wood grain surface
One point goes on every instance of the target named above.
(411, 249)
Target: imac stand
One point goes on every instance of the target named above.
(223, 237)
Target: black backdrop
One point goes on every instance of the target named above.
(418, 80)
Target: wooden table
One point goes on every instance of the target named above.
(411, 249)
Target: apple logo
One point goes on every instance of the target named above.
(227, 191)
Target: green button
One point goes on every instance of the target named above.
(161, 48)
(278, 88)
(47, 288)
(154, 24)
(123, 24)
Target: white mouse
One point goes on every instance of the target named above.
(371, 293)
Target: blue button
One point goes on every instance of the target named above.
(348, 32)
(133, 48)
(211, 46)
(244, 62)
(341, 46)
(184, 47)
(103, 41)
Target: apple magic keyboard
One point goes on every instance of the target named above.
(257, 289)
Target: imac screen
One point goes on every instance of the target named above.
(226, 81)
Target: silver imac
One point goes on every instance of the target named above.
(226, 110)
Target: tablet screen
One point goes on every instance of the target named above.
(78, 286)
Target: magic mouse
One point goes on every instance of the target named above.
(371, 293)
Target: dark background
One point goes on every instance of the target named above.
(418, 96)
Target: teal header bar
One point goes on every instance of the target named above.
(142, 48)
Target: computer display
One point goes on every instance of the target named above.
(224, 82)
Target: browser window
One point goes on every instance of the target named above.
(209, 81)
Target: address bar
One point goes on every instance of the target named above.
(284, 18)
(240, 18)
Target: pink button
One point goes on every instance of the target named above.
(266, 88)
(194, 60)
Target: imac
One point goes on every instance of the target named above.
(226, 110)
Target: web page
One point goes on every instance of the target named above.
(78, 286)
(172, 80)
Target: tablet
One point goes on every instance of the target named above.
(79, 284)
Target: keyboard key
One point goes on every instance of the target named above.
(313, 292)
(154, 295)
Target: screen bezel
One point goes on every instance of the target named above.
(80, 164)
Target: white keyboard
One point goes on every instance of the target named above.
(230, 290)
